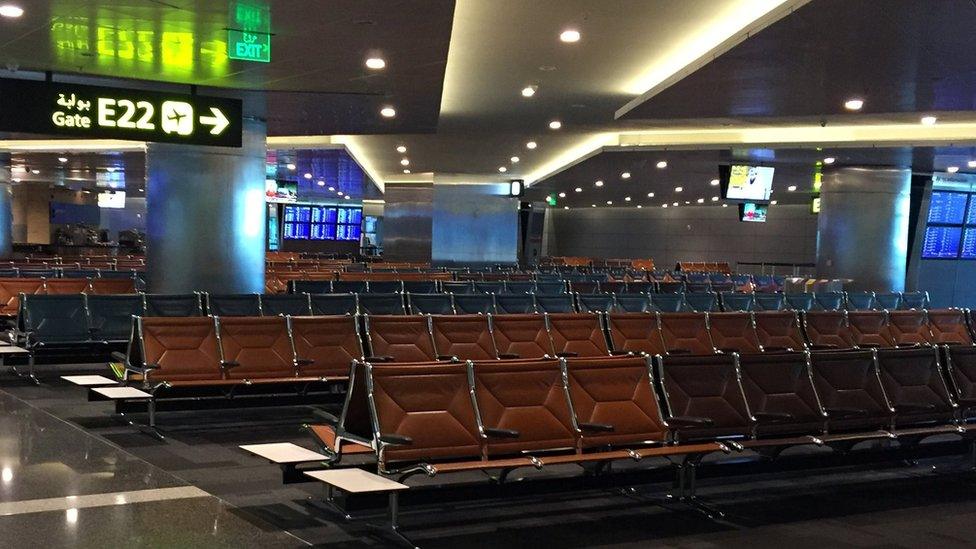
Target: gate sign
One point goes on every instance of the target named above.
(93, 112)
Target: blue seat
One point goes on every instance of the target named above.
(495, 287)
(829, 301)
(118, 275)
(770, 302)
(348, 287)
(470, 304)
(9, 273)
(641, 287)
(333, 304)
(110, 316)
(385, 287)
(430, 304)
(514, 304)
(465, 287)
(172, 305)
(285, 304)
(595, 303)
(310, 286)
(554, 303)
(55, 320)
(518, 287)
(79, 273)
(860, 301)
(633, 303)
(585, 287)
(233, 304)
(889, 300)
(668, 303)
(420, 286)
(800, 301)
(381, 304)
(553, 287)
(915, 300)
(737, 301)
(701, 302)
(672, 287)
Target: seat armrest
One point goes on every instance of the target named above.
(728, 350)
(914, 407)
(152, 366)
(567, 355)
(773, 416)
(691, 421)
(385, 358)
(846, 412)
(823, 347)
(304, 361)
(331, 419)
(596, 427)
(620, 353)
(119, 357)
(679, 351)
(963, 401)
(395, 440)
(450, 358)
(495, 432)
(778, 349)
(509, 355)
(908, 345)
(228, 364)
(870, 346)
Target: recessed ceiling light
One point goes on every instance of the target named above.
(404, 161)
(687, 201)
(515, 159)
(952, 169)
(289, 166)
(142, 190)
(401, 149)
(662, 164)
(609, 202)
(791, 188)
(714, 199)
(110, 169)
(678, 189)
(570, 35)
(35, 172)
(331, 189)
(375, 63)
(339, 193)
(388, 112)
(565, 207)
(627, 199)
(929, 120)
(308, 176)
(578, 189)
(829, 160)
(406, 171)
(62, 159)
(713, 182)
(639, 206)
(971, 163)
(9, 10)
(531, 145)
(593, 205)
(650, 195)
(664, 205)
(562, 195)
(321, 183)
(854, 104)
(725, 205)
(701, 200)
(625, 175)
(674, 204)
(346, 197)
(16, 180)
(598, 183)
(529, 91)
(555, 125)
(773, 203)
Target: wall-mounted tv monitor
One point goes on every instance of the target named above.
(280, 191)
(947, 207)
(743, 182)
(941, 242)
(111, 199)
(752, 212)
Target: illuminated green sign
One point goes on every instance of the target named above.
(551, 200)
(95, 112)
(250, 38)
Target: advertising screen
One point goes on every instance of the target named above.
(749, 182)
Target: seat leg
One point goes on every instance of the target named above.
(394, 504)
(691, 498)
(30, 370)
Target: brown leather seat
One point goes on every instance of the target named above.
(58, 286)
(400, 338)
(734, 332)
(521, 336)
(781, 395)
(913, 383)
(827, 330)
(869, 329)
(779, 331)
(10, 290)
(961, 366)
(466, 337)
(180, 349)
(909, 328)
(256, 347)
(636, 333)
(948, 327)
(615, 402)
(577, 334)
(850, 390)
(527, 397)
(704, 397)
(325, 345)
(686, 333)
(111, 286)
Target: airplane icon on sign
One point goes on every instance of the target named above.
(178, 117)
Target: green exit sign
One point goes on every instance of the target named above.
(250, 37)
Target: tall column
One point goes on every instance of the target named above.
(205, 226)
(407, 221)
(863, 227)
(6, 211)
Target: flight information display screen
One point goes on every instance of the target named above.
(968, 243)
(322, 223)
(941, 242)
(948, 207)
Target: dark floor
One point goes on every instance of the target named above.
(92, 452)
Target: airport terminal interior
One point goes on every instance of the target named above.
(487, 273)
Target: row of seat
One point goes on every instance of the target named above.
(12, 288)
(40, 271)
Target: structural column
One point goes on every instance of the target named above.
(205, 225)
(6, 211)
(862, 231)
(407, 221)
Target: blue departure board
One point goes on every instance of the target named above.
(941, 242)
(971, 214)
(322, 222)
(968, 243)
(947, 207)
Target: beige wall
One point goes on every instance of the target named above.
(32, 210)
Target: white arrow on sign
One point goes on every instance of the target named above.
(218, 121)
